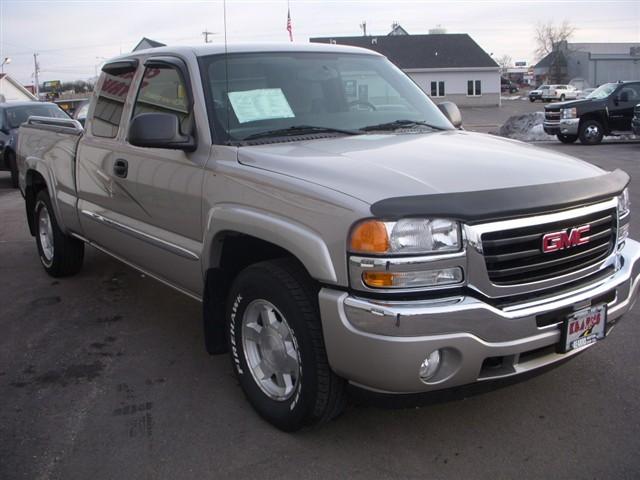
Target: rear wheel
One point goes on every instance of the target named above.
(277, 347)
(591, 132)
(562, 97)
(567, 138)
(60, 254)
(13, 168)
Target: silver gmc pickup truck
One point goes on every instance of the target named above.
(337, 226)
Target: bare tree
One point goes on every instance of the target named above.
(548, 35)
(505, 61)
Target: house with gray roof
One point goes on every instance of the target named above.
(447, 66)
(12, 91)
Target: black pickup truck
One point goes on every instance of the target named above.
(608, 110)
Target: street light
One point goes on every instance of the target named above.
(6, 60)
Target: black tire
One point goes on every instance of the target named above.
(567, 138)
(532, 99)
(67, 252)
(10, 161)
(562, 97)
(591, 132)
(318, 394)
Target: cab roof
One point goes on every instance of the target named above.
(216, 49)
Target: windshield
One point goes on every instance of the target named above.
(603, 91)
(18, 115)
(274, 91)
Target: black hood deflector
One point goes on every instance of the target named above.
(504, 203)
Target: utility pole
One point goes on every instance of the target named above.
(363, 26)
(36, 69)
(206, 35)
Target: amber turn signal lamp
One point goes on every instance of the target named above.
(378, 279)
(370, 236)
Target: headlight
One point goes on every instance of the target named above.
(569, 113)
(406, 236)
(624, 208)
(624, 204)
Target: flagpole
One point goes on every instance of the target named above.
(289, 26)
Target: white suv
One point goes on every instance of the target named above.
(560, 92)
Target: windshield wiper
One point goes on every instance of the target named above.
(397, 124)
(299, 130)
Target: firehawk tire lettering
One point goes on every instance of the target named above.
(232, 333)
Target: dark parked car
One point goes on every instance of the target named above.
(608, 110)
(12, 115)
(507, 85)
(635, 123)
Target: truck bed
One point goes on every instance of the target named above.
(48, 146)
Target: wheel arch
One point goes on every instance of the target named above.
(34, 183)
(298, 240)
(599, 117)
(244, 236)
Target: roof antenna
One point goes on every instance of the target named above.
(226, 68)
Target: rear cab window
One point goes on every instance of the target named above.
(107, 114)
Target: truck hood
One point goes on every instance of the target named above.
(571, 103)
(373, 167)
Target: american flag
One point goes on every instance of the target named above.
(289, 27)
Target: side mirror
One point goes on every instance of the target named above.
(451, 111)
(159, 130)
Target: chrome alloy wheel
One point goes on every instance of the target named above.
(592, 131)
(45, 234)
(271, 350)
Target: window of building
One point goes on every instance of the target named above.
(107, 114)
(437, 89)
(474, 88)
(163, 91)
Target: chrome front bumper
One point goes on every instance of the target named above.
(567, 126)
(380, 345)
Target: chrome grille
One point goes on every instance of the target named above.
(515, 256)
(552, 115)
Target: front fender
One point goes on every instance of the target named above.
(301, 241)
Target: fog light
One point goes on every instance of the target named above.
(421, 278)
(429, 366)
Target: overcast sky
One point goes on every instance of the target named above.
(74, 37)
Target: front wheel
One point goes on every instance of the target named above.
(562, 97)
(60, 254)
(591, 132)
(532, 99)
(567, 138)
(277, 348)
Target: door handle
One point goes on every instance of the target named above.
(121, 168)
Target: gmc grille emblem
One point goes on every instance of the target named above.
(555, 241)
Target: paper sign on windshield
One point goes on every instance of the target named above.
(261, 104)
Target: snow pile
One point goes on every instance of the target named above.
(527, 127)
(516, 97)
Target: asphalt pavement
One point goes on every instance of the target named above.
(103, 376)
